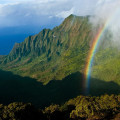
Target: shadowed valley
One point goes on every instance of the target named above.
(25, 89)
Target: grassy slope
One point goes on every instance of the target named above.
(109, 70)
(107, 62)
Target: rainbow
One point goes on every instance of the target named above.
(90, 58)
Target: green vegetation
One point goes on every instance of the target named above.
(51, 54)
(19, 111)
(55, 54)
(107, 65)
(95, 108)
(104, 107)
(25, 89)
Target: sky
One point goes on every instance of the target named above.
(21, 18)
(41, 12)
(28, 17)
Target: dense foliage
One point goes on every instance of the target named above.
(81, 108)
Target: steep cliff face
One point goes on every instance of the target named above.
(52, 53)
(56, 53)
(71, 33)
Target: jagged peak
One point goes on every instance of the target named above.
(72, 17)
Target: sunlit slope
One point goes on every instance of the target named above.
(107, 62)
(52, 54)
(108, 71)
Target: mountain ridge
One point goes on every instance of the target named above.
(57, 53)
(50, 51)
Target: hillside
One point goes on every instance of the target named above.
(52, 54)
(57, 53)
(14, 88)
(48, 67)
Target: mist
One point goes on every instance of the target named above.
(107, 12)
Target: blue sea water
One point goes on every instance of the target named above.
(11, 35)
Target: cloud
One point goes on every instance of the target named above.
(108, 12)
(43, 12)
(13, 1)
(20, 12)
